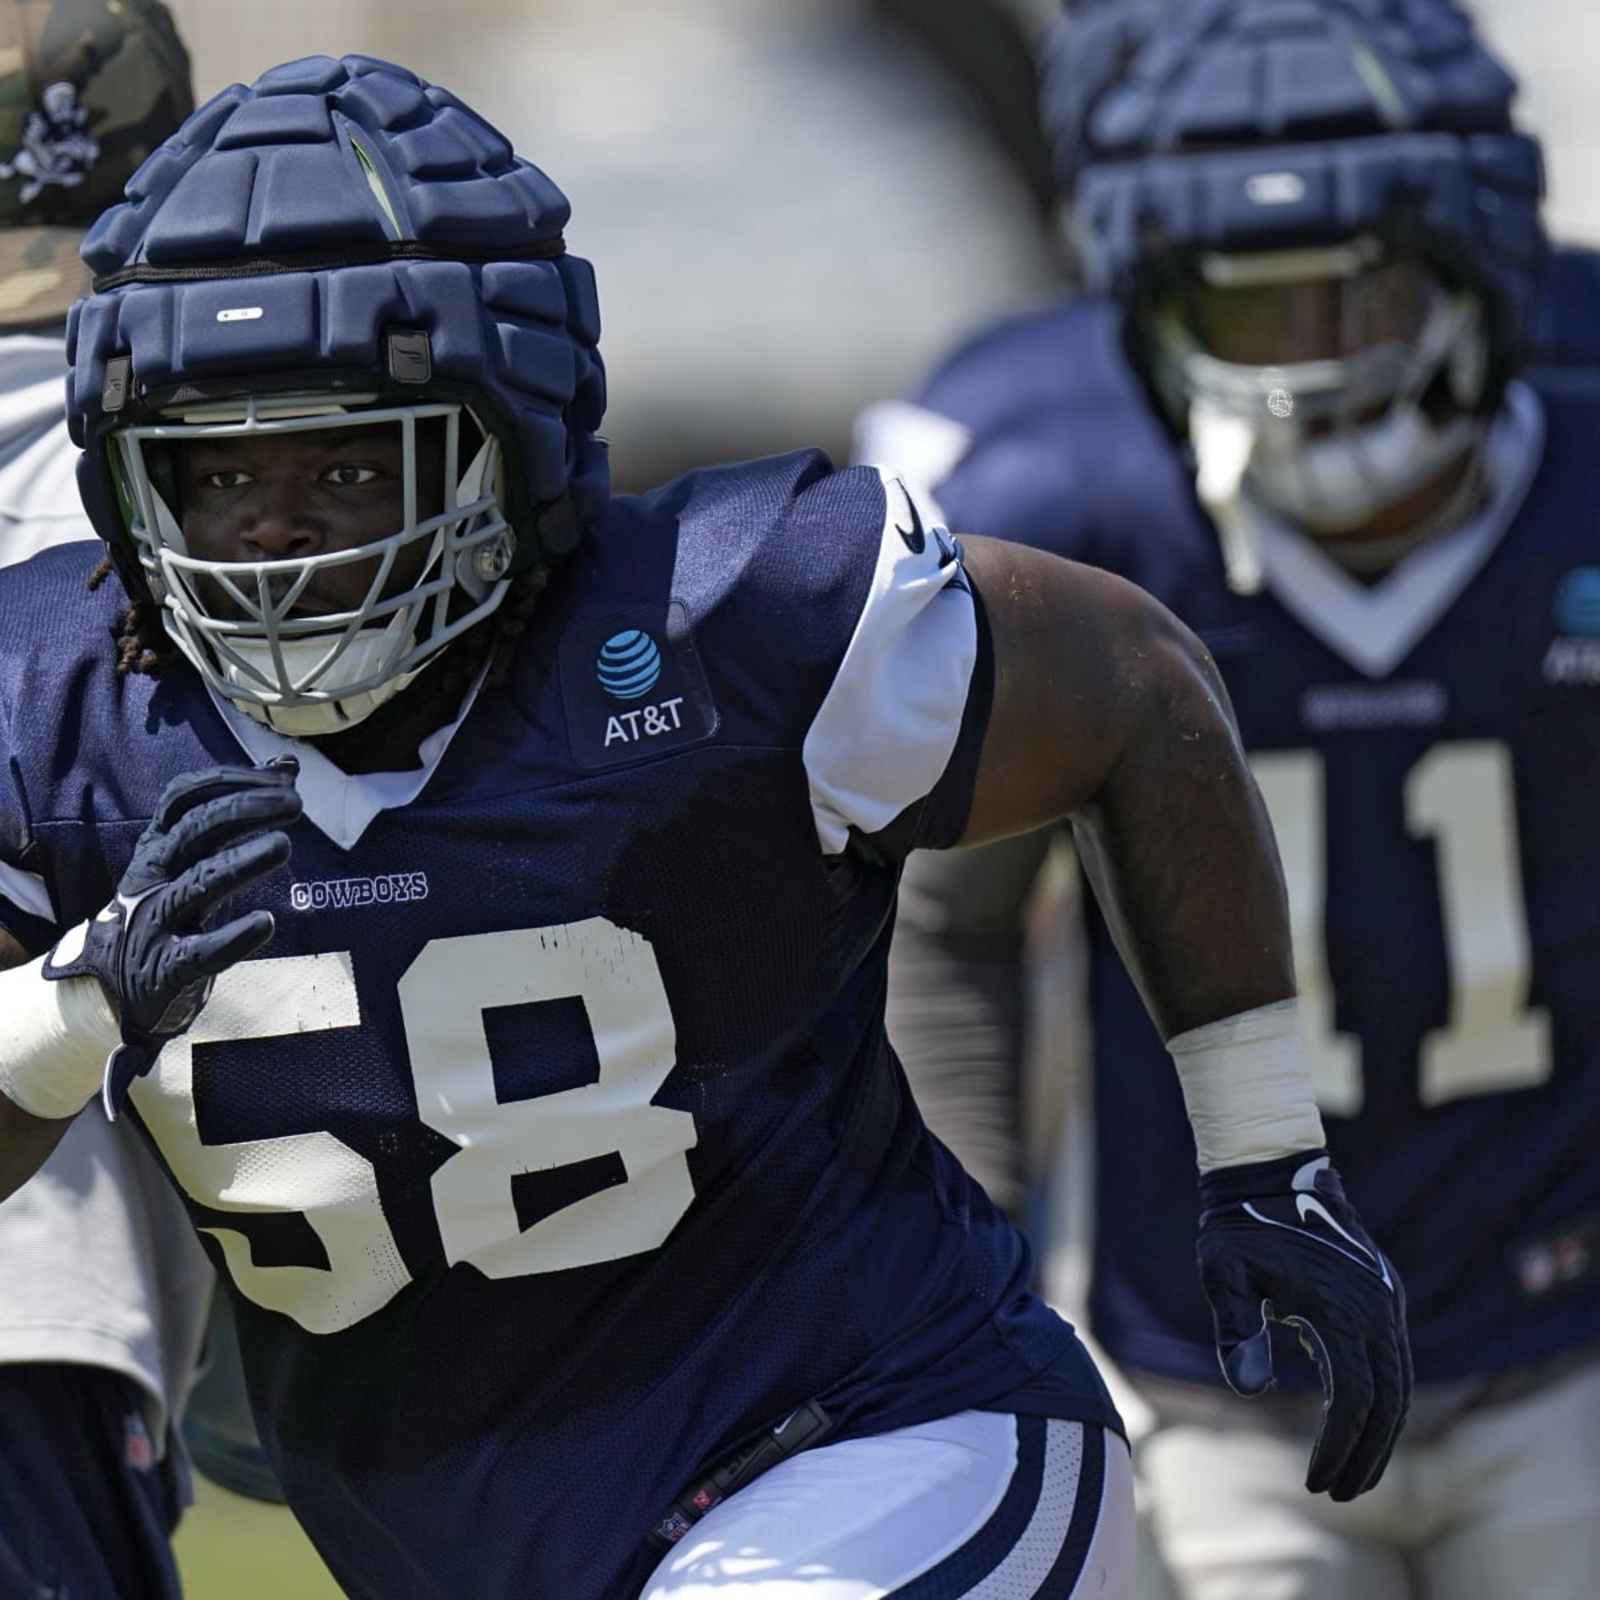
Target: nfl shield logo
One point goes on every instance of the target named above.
(138, 1448)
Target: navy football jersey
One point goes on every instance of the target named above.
(553, 1148)
(1428, 747)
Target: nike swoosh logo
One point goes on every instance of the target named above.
(1309, 1205)
(1305, 1203)
(915, 537)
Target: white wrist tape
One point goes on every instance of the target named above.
(54, 1040)
(1247, 1084)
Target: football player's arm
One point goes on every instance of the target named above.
(1106, 709)
(95, 1012)
(1109, 711)
(25, 1140)
(956, 1001)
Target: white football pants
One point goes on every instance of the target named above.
(1503, 1505)
(978, 1506)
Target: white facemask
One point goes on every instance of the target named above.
(1248, 429)
(303, 677)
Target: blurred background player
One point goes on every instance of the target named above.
(1332, 400)
(103, 1287)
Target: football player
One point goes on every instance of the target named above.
(104, 1287)
(478, 888)
(1332, 400)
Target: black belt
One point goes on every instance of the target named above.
(798, 1431)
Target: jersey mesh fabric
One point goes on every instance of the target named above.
(452, 1431)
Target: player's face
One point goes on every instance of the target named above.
(283, 497)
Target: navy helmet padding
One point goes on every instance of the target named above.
(291, 232)
(1084, 49)
(1236, 125)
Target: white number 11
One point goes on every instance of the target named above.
(1460, 795)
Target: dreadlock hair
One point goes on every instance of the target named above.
(142, 645)
(145, 648)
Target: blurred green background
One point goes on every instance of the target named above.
(230, 1548)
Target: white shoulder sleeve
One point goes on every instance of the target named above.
(886, 728)
(920, 445)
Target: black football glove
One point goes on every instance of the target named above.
(155, 949)
(1279, 1242)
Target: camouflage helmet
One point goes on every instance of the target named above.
(88, 88)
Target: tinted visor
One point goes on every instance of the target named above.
(1239, 313)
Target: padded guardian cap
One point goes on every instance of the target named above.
(337, 243)
(1333, 154)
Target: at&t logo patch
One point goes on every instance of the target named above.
(633, 687)
(1573, 657)
(649, 722)
(629, 664)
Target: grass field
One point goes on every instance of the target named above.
(230, 1548)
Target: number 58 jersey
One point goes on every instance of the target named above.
(553, 1148)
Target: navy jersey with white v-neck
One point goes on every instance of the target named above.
(1428, 746)
(553, 1148)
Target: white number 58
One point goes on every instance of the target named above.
(443, 996)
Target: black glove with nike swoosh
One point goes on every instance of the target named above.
(1279, 1242)
(157, 948)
